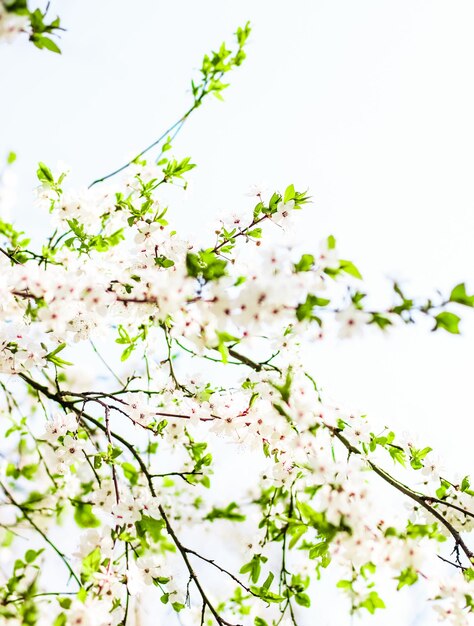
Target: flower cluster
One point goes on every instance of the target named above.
(11, 23)
(16, 18)
(202, 377)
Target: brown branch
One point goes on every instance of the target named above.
(430, 499)
(57, 397)
(221, 569)
(422, 500)
(408, 492)
(241, 233)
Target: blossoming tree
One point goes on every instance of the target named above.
(131, 460)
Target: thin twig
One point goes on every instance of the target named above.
(40, 532)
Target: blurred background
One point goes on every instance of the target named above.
(367, 104)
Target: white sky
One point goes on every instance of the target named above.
(369, 104)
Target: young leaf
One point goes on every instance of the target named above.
(448, 321)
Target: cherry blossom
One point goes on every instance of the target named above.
(155, 395)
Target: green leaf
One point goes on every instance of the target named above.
(289, 193)
(459, 295)
(205, 264)
(397, 454)
(344, 584)
(372, 602)
(303, 599)
(91, 564)
(11, 158)
(268, 581)
(417, 456)
(407, 577)
(318, 550)
(349, 268)
(469, 574)
(285, 388)
(414, 531)
(127, 352)
(443, 489)
(82, 594)
(273, 204)
(448, 321)
(64, 603)
(380, 320)
(304, 311)
(296, 531)
(305, 263)
(317, 519)
(254, 567)
(223, 338)
(46, 42)
(164, 262)
(368, 568)
(84, 517)
(175, 169)
(44, 173)
(53, 357)
(29, 471)
(13, 471)
(130, 473)
(17, 6)
(57, 350)
(32, 555)
(231, 512)
(267, 595)
(152, 526)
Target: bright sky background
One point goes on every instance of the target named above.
(368, 104)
